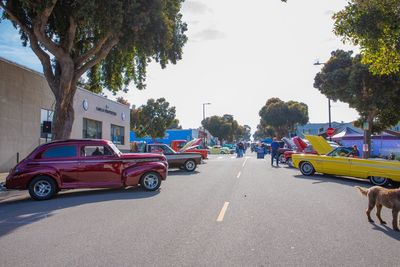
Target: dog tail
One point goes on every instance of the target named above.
(363, 191)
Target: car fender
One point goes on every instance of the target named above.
(36, 171)
(131, 175)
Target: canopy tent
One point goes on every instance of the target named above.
(347, 132)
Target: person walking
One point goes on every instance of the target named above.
(274, 152)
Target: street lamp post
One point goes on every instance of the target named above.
(204, 117)
(329, 100)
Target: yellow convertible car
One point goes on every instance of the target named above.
(340, 162)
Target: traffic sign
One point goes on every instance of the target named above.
(330, 131)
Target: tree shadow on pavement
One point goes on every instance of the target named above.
(16, 213)
(318, 179)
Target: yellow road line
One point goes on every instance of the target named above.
(222, 212)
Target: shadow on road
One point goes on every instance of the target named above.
(387, 231)
(21, 212)
(318, 179)
(181, 173)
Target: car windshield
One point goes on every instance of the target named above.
(115, 148)
(340, 152)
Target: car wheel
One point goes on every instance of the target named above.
(190, 165)
(42, 188)
(222, 152)
(281, 159)
(290, 163)
(307, 169)
(377, 180)
(151, 181)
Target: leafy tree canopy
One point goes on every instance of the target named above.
(153, 119)
(377, 98)
(375, 26)
(112, 39)
(282, 116)
(225, 127)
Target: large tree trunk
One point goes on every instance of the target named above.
(64, 111)
(367, 135)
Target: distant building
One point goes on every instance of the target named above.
(320, 128)
(26, 101)
(176, 134)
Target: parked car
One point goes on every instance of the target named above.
(302, 146)
(340, 162)
(188, 147)
(231, 147)
(182, 160)
(71, 164)
(219, 150)
(288, 146)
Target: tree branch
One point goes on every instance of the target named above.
(69, 41)
(39, 28)
(102, 54)
(92, 51)
(42, 55)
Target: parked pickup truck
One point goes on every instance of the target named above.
(189, 147)
(85, 163)
(182, 160)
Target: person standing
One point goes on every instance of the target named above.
(355, 153)
(274, 152)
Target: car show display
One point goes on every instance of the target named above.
(84, 163)
(340, 161)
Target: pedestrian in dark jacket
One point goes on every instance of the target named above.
(274, 152)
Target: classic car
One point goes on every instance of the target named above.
(340, 162)
(183, 160)
(219, 150)
(188, 147)
(231, 147)
(301, 146)
(71, 164)
(289, 145)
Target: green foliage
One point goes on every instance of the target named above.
(263, 131)
(375, 26)
(282, 116)
(225, 127)
(347, 79)
(153, 119)
(123, 101)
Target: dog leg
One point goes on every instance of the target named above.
(378, 213)
(368, 212)
(395, 213)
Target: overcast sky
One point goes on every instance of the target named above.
(239, 54)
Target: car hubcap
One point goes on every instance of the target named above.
(307, 168)
(190, 165)
(150, 181)
(379, 180)
(290, 162)
(42, 188)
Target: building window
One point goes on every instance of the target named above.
(45, 115)
(117, 134)
(92, 129)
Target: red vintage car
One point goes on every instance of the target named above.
(71, 164)
(301, 147)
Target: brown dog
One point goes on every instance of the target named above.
(379, 196)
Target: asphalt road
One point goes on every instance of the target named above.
(231, 212)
